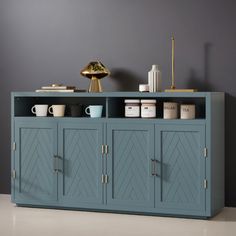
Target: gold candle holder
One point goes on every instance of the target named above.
(172, 63)
(173, 87)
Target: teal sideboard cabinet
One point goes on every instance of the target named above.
(116, 164)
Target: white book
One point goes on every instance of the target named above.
(55, 90)
(57, 87)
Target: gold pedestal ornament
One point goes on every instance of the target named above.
(173, 88)
(95, 71)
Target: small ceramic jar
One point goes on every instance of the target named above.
(148, 108)
(143, 88)
(132, 108)
(187, 111)
(170, 110)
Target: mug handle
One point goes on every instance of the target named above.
(86, 110)
(50, 110)
(33, 110)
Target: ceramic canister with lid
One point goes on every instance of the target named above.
(148, 108)
(187, 111)
(132, 108)
(143, 88)
(170, 110)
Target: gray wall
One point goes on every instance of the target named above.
(45, 41)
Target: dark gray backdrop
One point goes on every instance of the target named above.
(48, 41)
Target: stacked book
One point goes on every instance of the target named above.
(59, 88)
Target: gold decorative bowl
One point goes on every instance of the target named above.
(95, 71)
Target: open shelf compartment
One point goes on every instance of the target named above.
(116, 105)
(23, 105)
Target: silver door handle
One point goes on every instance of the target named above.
(57, 164)
(154, 167)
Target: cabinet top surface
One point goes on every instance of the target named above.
(115, 94)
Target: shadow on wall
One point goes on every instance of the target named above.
(230, 144)
(202, 84)
(128, 81)
(125, 80)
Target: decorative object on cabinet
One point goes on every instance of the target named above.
(118, 164)
(148, 108)
(57, 110)
(40, 109)
(75, 110)
(94, 111)
(187, 111)
(143, 88)
(132, 108)
(170, 110)
(173, 87)
(59, 88)
(154, 79)
(95, 71)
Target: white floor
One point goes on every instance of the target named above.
(33, 222)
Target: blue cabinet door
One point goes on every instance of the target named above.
(80, 152)
(131, 148)
(36, 145)
(180, 169)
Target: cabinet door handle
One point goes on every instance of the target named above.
(55, 168)
(156, 163)
(106, 179)
(106, 149)
(153, 167)
(57, 164)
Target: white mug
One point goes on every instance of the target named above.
(94, 111)
(57, 110)
(40, 110)
(187, 111)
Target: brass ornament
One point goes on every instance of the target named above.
(95, 71)
(172, 63)
(173, 87)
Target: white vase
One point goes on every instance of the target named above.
(154, 79)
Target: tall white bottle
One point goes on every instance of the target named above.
(154, 79)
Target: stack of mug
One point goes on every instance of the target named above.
(75, 110)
